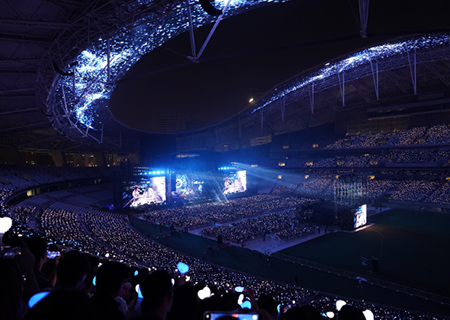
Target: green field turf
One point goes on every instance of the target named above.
(412, 248)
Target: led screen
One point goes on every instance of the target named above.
(235, 182)
(146, 191)
(360, 218)
(189, 185)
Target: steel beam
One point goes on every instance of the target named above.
(413, 70)
(15, 37)
(375, 78)
(34, 23)
(363, 16)
(4, 113)
(342, 86)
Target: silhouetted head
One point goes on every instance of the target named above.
(303, 313)
(72, 269)
(110, 277)
(348, 312)
(156, 289)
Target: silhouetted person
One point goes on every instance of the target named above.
(72, 270)
(303, 313)
(266, 302)
(12, 304)
(38, 248)
(67, 304)
(348, 312)
(185, 303)
(157, 291)
(109, 279)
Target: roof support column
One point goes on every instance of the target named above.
(342, 86)
(413, 70)
(208, 38)
(375, 78)
(191, 30)
(363, 16)
(262, 117)
(108, 59)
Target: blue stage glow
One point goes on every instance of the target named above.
(357, 59)
(36, 298)
(246, 304)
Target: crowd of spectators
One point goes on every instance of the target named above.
(260, 227)
(440, 196)
(208, 214)
(14, 178)
(426, 145)
(414, 190)
(437, 134)
(438, 157)
(297, 231)
(108, 236)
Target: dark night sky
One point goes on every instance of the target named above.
(251, 53)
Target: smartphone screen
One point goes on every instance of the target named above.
(10, 252)
(218, 315)
(53, 254)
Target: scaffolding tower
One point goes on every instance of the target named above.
(349, 194)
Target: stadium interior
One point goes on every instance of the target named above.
(295, 151)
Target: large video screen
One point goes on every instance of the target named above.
(235, 182)
(145, 191)
(360, 218)
(189, 186)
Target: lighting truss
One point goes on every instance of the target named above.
(98, 48)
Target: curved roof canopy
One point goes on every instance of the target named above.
(71, 65)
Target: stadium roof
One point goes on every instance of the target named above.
(249, 53)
